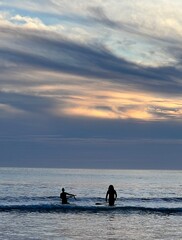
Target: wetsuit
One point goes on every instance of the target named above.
(63, 197)
(112, 196)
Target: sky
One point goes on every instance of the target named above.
(91, 84)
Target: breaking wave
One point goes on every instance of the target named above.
(45, 208)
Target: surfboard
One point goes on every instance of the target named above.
(104, 204)
(101, 204)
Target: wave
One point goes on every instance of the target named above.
(127, 205)
(154, 199)
(51, 208)
(90, 199)
(28, 198)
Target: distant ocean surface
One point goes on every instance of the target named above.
(149, 204)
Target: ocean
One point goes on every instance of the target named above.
(149, 204)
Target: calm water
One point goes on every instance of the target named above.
(149, 204)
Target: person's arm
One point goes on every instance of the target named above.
(115, 195)
(71, 195)
(106, 195)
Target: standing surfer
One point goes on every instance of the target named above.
(112, 195)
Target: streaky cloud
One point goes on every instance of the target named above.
(42, 51)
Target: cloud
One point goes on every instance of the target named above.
(90, 78)
(155, 19)
(161, 19)
(63, 55)
(152, 31)
(76, 77)
(8, 111)
(22, 104)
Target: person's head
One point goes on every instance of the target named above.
(62, 189)
(111, 187)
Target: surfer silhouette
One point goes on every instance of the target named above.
(64, 196)
(112, 195)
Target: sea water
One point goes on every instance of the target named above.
(149, 204)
